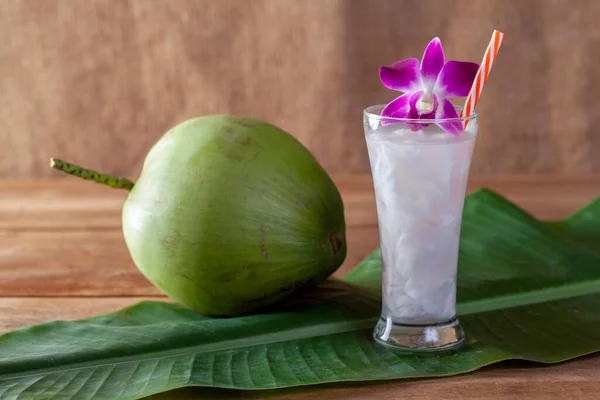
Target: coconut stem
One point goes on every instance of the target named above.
(75, 170)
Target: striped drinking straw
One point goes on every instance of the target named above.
(482, 74)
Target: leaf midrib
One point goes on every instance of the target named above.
(263, 339)
(547, 294)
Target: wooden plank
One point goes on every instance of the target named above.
(578, 379)
(72, 203)
(97, 263)
(81, 262)
(59, 204)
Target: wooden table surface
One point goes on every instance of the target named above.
(62, 256)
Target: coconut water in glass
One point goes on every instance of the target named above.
(420, 177)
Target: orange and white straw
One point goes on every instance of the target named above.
(482, 74)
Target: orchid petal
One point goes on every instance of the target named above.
(403, 75)
(397, 108)
(432, 61)
(447, 111)
(456, 78)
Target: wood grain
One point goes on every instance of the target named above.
(99, 81)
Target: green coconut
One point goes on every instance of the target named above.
(230, 215)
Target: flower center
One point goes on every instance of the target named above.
(425, 104)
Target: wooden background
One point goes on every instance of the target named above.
(98, 81)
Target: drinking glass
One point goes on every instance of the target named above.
(420, 176)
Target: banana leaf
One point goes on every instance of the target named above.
(527, 290)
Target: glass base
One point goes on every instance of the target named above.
(419, 338)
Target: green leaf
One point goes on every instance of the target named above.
(527, 290)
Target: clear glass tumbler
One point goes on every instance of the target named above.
(420, 177)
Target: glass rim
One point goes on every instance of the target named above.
(368, 113)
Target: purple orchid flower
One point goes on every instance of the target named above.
(427, 87)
